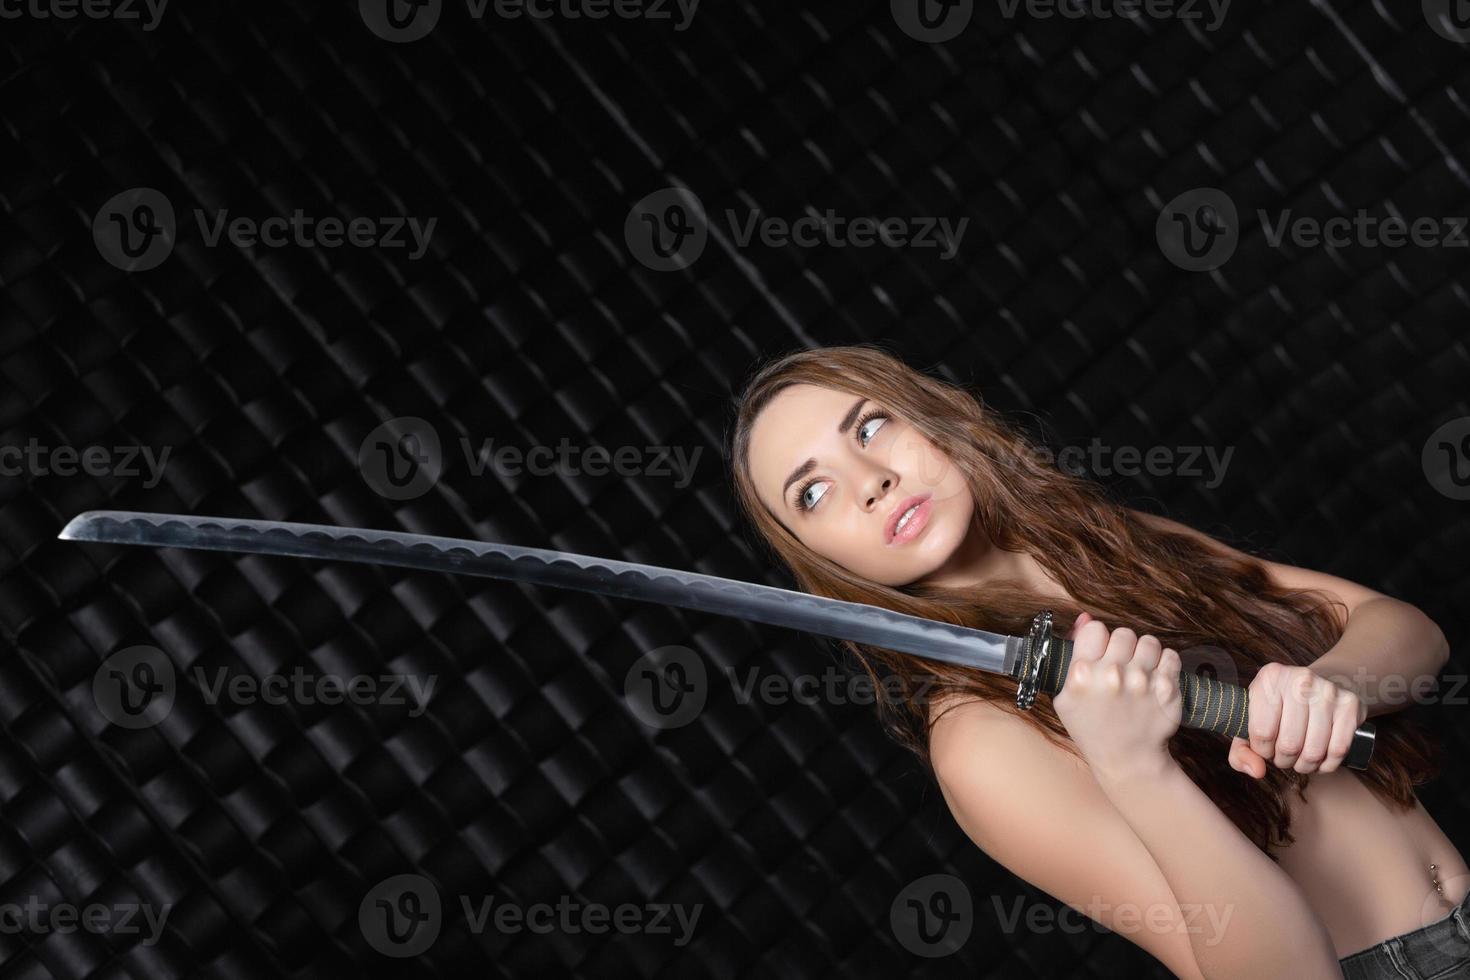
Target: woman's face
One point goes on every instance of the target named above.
(841, 475)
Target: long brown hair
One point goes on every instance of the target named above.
(1127, 571)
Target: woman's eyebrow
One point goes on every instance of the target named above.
(811, 464)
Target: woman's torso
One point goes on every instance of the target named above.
(1362, 864)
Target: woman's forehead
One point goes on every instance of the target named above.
(791, 427)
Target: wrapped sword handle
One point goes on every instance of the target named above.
(1209, 704)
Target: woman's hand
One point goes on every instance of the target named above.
(1298, 720)
(1120, 700)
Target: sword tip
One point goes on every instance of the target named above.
(80, 528)
(92, 525)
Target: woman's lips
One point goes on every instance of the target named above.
(916, 523)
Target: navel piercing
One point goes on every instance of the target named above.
(1434, 877)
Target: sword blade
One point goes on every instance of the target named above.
(854, 621)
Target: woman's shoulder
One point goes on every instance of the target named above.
(964, 728)
(959, 723)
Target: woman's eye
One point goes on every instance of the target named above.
(806, 501)
(870, 428)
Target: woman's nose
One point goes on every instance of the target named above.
(879, 490)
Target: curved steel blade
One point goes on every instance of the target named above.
(855, 621)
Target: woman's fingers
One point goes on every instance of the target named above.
(1083, 618)
(1089, 639)
(1120, 647)
(1244, 759)
(1148, 652)
(1344, 724)
(1296, 718)
(1265, 715)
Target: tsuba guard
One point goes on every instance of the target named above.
(1033, 657)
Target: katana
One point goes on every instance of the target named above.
(1037, 661)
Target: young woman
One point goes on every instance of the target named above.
(875, 483)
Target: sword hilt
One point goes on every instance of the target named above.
(1209, 704)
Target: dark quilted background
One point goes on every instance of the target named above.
(262, 369)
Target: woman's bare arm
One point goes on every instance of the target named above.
(1034, 808)
(1153, 860)
(1207, 861)
(1389, 649)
